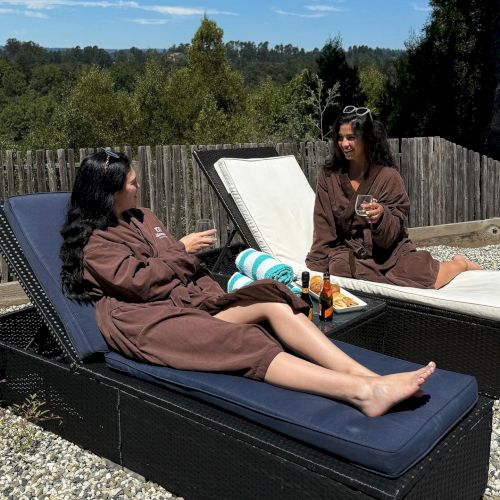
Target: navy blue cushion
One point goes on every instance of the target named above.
(388, 445)
(36, 221)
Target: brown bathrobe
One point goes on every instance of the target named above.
(155, 302)
(347, 245)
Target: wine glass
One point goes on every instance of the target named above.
(362, 202)
(205, 225)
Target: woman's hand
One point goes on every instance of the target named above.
(194, 242)
(374, 211)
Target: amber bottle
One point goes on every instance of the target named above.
(326, 299)
(305, 296)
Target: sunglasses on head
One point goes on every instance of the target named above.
(353, 110)
(110, 154)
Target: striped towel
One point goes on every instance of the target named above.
(238, 280)
(260, 265)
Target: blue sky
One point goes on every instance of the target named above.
(160, 24)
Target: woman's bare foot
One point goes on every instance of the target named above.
(384, 392)
(469, 264)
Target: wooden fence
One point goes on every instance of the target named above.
(446, 183)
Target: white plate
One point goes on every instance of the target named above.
(360, 303)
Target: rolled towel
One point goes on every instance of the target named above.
(238, 280)
(259, 265)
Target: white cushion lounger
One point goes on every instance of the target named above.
(277, 202)
(271, 203)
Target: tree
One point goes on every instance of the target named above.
(320, 103)
(147, 101)
(446, 82)
(93, 114)
(207, 84)
(332, 69)
(372, 82)
(280, 112)
(493, 135)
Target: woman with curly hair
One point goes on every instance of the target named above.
(375, 247)
(156, 302)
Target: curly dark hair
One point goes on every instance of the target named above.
(373, 135)
(99, 177)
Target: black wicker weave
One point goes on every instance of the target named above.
(193, 448)
(457, 342)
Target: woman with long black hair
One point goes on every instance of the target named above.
(374, 246)
(156, 302)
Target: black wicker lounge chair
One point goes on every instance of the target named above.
(461, 342)
(195, 433)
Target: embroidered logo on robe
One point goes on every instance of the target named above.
(159, 232)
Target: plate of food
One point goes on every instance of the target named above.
(343, 301)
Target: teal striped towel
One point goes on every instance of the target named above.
(238, 280)
(260, 265)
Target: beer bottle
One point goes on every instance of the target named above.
(305, 294)
(326, 299)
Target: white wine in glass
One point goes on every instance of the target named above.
(362, 202)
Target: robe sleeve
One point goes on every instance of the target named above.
(122, 275)
(325, 232)
(396, 204)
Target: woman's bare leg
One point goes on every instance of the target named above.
(296, 332)
(374, 396)
(452, 268)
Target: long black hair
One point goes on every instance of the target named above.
(373, 135)
(99, 177)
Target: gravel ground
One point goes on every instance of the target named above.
(35, 464)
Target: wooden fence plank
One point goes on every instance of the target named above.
(9, 164)
(176, 188)
(495, 195)
(476, 185)
(63, 169)
(167, 182)
(404, 167)
(140, 169)
(185, 170)
(20, 174)
(40, 170)
(2, 170)
(29, 172)
(51, 171)
(71, 168)
(159, 181)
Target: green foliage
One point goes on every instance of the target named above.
(31, 412)
(446, 81)
(279, 112)
(207, 91)
(372, 81)
(320, 99)
(148, 110)
(94, 113)
(333, 69)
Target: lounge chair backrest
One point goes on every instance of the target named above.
(36, 221)
(276, 201)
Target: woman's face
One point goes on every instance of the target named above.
(351, 144)
(127, 197)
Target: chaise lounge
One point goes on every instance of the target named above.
(271, 203)
(212, 435)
